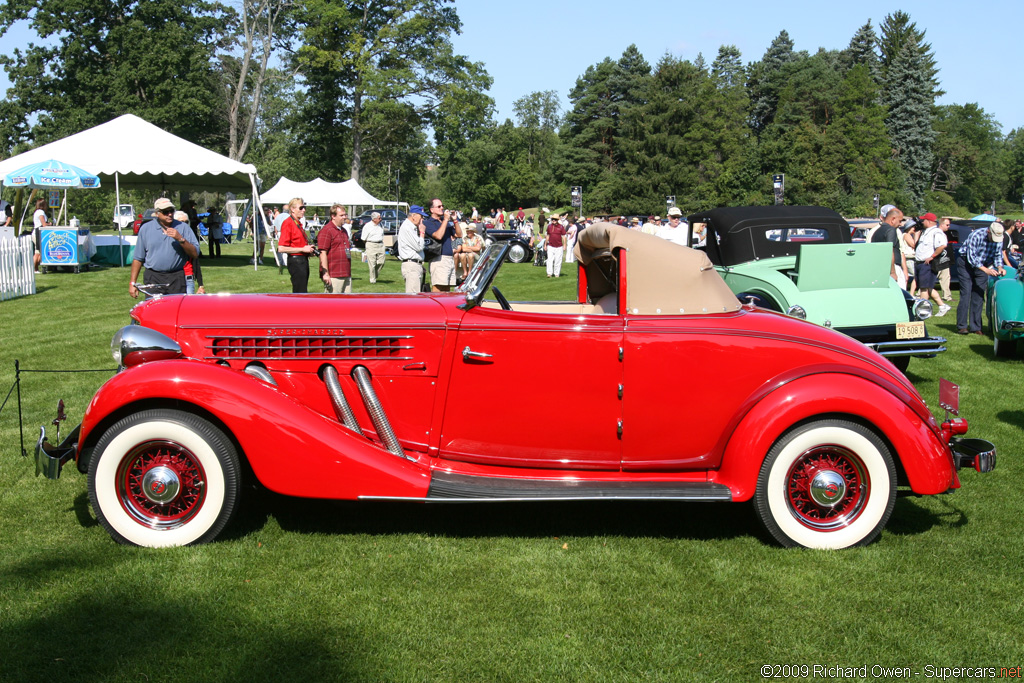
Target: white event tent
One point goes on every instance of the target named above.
(132, 152)
(319, 192)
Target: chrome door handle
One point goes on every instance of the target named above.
(468, 354)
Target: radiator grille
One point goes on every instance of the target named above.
(312, 347)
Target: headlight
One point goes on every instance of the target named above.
(922, 309)
(115, 347)
(797, 312)
(135, 344)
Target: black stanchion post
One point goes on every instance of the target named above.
(21, 425)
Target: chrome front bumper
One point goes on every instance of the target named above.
(977, 453)
(49, 458)
(924, 348)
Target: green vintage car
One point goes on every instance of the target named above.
(1006, 312)
(801, 260)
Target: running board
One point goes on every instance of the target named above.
(450, 488)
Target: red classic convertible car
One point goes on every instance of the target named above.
(673, 390)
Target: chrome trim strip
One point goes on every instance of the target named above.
(525, 499)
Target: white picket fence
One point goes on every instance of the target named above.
(17, 274)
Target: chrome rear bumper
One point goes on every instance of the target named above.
(977, 453)
(49, 458)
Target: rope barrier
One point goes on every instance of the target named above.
(18, 370)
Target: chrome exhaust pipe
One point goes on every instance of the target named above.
(341, 407)
(260, 372)
(376, 411)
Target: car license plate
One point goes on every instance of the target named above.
(914, 330)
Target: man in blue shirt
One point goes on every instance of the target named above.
(442, 227)
(164, 247)
(980, 257)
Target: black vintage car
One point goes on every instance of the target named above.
(519, 252)
(959, 230)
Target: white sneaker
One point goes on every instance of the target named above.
(943, 310)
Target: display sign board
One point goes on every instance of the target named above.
(59, 247)
(54, 199)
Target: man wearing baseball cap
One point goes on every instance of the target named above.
(930, 246)
(980, 258)
(164, 247)
(410, 248)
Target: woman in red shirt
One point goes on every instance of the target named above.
(293, 242)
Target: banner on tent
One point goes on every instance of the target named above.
(17, 277)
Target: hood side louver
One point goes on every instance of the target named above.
(311, 347)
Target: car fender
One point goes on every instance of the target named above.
(927, 461)
(296, 452)
(1007, 304)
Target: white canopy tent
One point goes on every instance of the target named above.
(135, 153)
(319, 192)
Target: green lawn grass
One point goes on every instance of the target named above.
(309, 590)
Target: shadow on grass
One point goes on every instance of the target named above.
(1012, 417)
(528, 519)
(83, 512)
(910, 518)
(158, 637)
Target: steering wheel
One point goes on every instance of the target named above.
(505, 305)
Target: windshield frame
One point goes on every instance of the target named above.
(479, 280)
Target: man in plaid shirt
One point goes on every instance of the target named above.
(980, 257)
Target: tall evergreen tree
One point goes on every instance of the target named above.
(593, 130)
(897, 31)
(765, 81)
(861, 50)
(859, 143)
(908, 95)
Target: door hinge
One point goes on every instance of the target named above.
(618, 431)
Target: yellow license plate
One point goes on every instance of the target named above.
(913, 330)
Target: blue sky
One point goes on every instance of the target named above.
(536, 45)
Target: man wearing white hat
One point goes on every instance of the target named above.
(164, 247)
(980, 257)
(677, 230)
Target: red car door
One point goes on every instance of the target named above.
(684, 381)
(535, 389)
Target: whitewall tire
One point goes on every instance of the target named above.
(164, 478)
(826, 484)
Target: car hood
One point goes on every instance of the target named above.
(292, 328)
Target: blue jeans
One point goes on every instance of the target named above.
(973, 283)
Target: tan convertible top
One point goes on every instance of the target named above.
(662, 278)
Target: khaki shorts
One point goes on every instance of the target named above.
(442, 271)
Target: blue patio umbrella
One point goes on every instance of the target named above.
(51, 175)
(984, 217)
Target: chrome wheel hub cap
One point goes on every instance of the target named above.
(827, 488)
(161, 485)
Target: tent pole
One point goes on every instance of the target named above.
(258, 206)
(120, 240)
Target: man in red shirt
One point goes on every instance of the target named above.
(334, 245)
(293, 242)
(556, 245)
